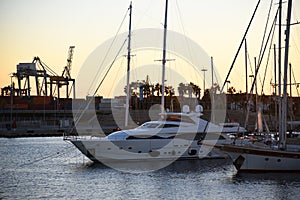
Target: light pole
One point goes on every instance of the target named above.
(11, 98)
(227, 85)
(251, 92)
(251, 76)
(204, 70)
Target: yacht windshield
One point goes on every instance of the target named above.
(149, 125)
(177, 118)
(120, 135)
(169, 126)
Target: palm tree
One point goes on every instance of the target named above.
(130, 90)
(231, 90)
(189, 89)
(146, 89)
(169, 90)
(181, 89)
(157, 88)
(196, 90)
(133, 88)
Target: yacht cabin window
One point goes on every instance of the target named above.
(168, 125)
(149, 125)
(177, 118)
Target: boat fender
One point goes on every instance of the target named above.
(192, 152)
(173, 153)
(199, 109)
(154, 153)
(185, 109)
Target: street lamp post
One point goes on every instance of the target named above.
(252, 77)
(204, 70)
(11, 99)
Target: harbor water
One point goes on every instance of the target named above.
(50, 168)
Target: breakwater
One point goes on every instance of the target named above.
(55, 123)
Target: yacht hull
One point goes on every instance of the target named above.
(105, 151)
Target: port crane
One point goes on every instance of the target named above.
(38, 70)
(67, 70)
(65, 78)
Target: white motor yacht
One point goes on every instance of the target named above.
(174, 136)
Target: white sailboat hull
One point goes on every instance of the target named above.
(255, 159)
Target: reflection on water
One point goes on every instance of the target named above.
(276, 177)
(274, 185)
(49, 168)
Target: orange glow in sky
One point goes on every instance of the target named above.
(47, 28)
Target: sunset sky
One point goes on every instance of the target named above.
(47, 28)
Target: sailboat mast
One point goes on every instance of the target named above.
(275, 89)
(214, 90)
(164, 60)
(246, 67)
(286, 63)
(279, 70)
(128, 68)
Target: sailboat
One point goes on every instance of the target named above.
(174, 136)
(279, 158)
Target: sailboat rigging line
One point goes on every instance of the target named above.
(215, 75)
(295, 44)
(262, 44)
(183, 30)
(264, 50)
(87, 106)
(263, 83)
(257, 68)
(115, 79)
(265, 31)
(78, 116)
(250, 63)
(295, 81)
(110, 67)
(54, 155)
(107, 52)
(241, 44)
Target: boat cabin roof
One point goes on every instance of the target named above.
(176, 117)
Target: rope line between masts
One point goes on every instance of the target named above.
(108, 51)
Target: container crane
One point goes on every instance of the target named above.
(67, 70)
(65, 78)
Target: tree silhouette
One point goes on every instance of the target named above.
(196, 90)
(231, 90)
(157, 88)
(181, 89)
(206, 96)
(189, 89)
(169, 91)
(134, 88)
(146, 89)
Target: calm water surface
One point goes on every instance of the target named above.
(50, 168)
